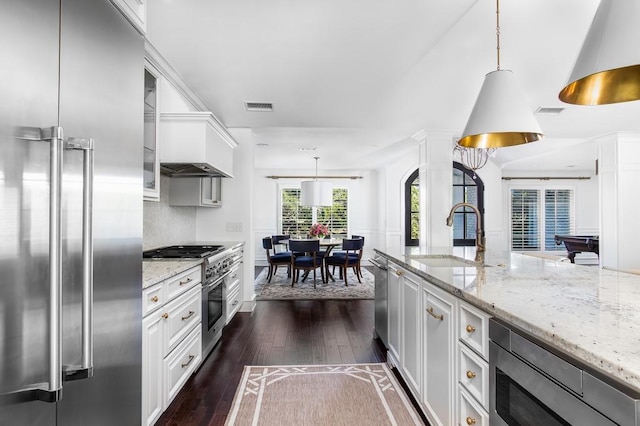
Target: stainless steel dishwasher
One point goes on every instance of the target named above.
(380, 275)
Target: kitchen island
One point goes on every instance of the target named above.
(591, 314)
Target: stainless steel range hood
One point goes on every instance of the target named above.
(195, 144)
(190, 170)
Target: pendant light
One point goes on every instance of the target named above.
(316, 192)
(501, 116)
(607, 70)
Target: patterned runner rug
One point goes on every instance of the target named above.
(280, 287)
(320, 395)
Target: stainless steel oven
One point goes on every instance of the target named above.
(213, 307)
(217, 269)
(531, 383)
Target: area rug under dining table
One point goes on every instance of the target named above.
(319, 395)
(280, 287)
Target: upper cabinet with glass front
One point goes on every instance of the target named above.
(151, 125)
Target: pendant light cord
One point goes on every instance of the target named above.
(498, 32)
(316, 167)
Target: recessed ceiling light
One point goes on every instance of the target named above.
(306, 148)
(571, 165)
(262, 145)
(549, 110)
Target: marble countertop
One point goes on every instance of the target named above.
(590, 313)
(156, 270)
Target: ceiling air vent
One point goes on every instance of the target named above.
(549, 110)
(258, 106)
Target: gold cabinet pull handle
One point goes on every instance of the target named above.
(165, 315)
(189, 315)
(235, 302)
(399, 273)
(436, 316)
(188, 280)
(154, 299)
(191, 358)
(470, 374)
(471, 421)
(470, 329)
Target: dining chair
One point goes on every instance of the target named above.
(349, 258)
(309, 261)
(275, 259)
(358, 255)
(278, 245)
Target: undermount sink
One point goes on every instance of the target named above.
(443, 261)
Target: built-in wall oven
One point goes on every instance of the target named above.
(531, 383)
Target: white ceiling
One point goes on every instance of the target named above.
(355, 79)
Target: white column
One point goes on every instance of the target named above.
(436, 156)
(619, 177)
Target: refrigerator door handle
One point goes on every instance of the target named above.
(85, 369)
(50, 391)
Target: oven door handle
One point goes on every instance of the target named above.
(219, 279)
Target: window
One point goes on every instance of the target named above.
(297, 219)
(536, 219)
(466, 189)
(412, 209)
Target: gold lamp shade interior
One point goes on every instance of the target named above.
(607, 70)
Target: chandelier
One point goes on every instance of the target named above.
(473, 158)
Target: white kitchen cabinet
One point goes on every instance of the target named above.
(152, 391)
(439, 344)
(171, 339)
(411, 318)
(233, 296)
(198, 192)
(394, 291)
(473, 365)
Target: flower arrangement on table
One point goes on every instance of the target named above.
(318, 230)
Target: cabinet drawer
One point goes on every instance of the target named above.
(181, 363)
(181, 316)
(474, 329)
(182, 282)
(469, 412)
(153, 298)
(473, 375)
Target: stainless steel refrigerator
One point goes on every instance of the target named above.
(71, 146)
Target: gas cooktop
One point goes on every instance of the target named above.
(182, 251)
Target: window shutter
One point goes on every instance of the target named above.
(524, 220)
(296, 219)
(335, 217)
(557, 216)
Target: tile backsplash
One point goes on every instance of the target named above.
(167, 225)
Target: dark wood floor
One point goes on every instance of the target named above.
(277, 332)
